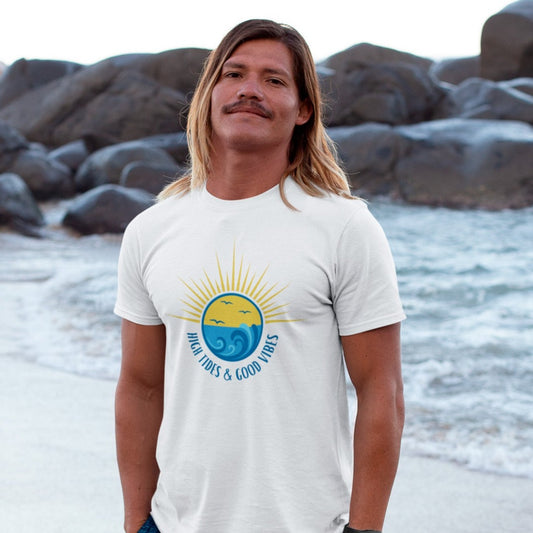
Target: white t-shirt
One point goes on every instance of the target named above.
(255, 434)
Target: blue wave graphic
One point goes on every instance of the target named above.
(232, 344)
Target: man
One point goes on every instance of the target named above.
(240, 292)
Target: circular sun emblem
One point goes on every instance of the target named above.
(232, 325)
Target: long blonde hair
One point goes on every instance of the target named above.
(312, 155)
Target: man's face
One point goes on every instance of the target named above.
(255, 104)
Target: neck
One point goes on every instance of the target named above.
(235, 176)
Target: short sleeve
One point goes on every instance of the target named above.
(365, 290)
(133, 301)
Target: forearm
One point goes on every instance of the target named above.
(377, 438)
(138, 413)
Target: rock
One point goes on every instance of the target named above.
(479, 98)
(456, 70)
(390, 94)
(369, 154)
(25, 75)
(375, 84)
(369, 54)
(17, 204)
(45, 177)
(99, 100)
(72, 154)
(520, 84)
(11, 143)
(105, 165)
(175, 144)
(106, 209)
(507, 43)
(467, 163)
(178, 69)
(148, 176)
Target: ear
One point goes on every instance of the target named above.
(305, 111)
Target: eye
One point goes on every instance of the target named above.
(276, 81)
(232, 74)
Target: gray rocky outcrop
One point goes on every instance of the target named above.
(105, 165)
(456, 70)
(118, 99)
(376, 84)
(45, 177)
(479, 98)
(524, 85)
(25, 75)
(72, 154)
(122, 105)
(467, 163)
(458, 163)
(106, 209)
(175, 144)
(369, 154)
(150, 177)
(11, 144)
(17, 204)
(507, 43)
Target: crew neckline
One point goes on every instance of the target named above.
(243, 203)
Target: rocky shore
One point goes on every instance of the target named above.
(455, 133)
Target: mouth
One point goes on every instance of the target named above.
(254, 108)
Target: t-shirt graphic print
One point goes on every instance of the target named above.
(231, 311)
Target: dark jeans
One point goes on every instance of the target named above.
(149, 526)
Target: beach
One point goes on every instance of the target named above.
(59, 471)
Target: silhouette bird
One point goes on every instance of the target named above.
(226, 302)
(244, 312)
(216, 321)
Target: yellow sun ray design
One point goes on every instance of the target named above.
(239, 279)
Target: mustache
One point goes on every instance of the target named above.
(246, 106)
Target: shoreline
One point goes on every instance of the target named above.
(59, 472)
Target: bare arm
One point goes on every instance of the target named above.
(373, 363)
(138, 413)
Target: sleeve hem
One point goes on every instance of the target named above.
(372, 324)
(137, 319)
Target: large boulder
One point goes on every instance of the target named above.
(150, 177)
(178, 69)
(45, 177)
(119, 104)
(467, 163)
(25, 75)
(105, 165)
(175, 144)
(17, 203)
(375, 84)
(507, 43)
(370, 54)
(11, 144)
(369, 153)
(72, 154)
(456, 70)
(524, 85)
(106, 209)
(479, 98)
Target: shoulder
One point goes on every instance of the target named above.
(161, 213)
(329, 207)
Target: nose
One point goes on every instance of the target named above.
(250, 88)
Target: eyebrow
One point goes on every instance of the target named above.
(241, 66)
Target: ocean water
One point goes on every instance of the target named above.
(466, 280)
